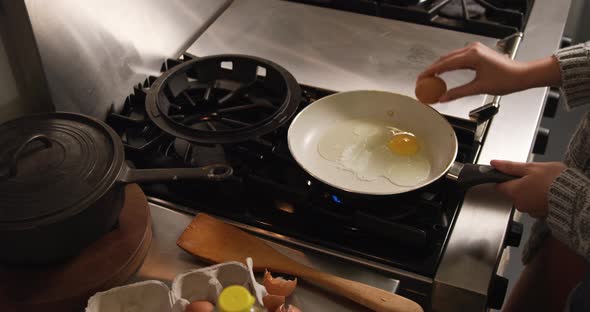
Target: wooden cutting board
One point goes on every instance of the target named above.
(106, 263)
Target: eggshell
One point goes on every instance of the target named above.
(278, 286)
(430, 89)
(291, 308)
(273, 302)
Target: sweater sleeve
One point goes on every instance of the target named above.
(574, 64)
(569, 210)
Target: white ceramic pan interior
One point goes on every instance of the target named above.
(437, 135)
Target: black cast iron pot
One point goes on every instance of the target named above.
(61, 184)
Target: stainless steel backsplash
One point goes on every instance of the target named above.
(23, 87)
(94, 52)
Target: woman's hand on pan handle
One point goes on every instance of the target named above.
(495, 73)
(529, 193)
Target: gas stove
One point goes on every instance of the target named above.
(217, 114)
(328, 48)
(494, 18)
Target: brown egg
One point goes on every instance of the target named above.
(199, 306)
(430, 89)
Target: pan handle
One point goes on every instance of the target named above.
(468, 175)
(217, 172)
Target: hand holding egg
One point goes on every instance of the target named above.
(430, 89)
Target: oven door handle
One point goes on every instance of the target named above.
(396, 231)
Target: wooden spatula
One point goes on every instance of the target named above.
(215, 241)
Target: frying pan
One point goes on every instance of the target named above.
(436, 134)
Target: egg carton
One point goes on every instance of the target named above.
(155, 296)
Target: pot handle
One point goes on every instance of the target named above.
(17, 154)
(218, 172)
(468, 175)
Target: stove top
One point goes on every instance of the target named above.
(492, 18)
(268, 189)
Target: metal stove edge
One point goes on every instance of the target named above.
(455, 288)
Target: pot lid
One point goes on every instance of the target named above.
(53, 165)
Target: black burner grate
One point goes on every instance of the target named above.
(493, 18)
(222, 99)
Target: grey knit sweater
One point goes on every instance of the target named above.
(568, 219)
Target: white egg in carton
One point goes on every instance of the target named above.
(154, 296)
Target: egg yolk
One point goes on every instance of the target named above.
(404, 145)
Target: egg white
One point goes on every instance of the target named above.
(360, 146)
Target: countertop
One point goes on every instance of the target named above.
(165, 260)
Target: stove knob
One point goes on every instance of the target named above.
(541, 141)
(551, 103)
(485, 112)
(497, 292)
(514, 234)
(565, 42)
